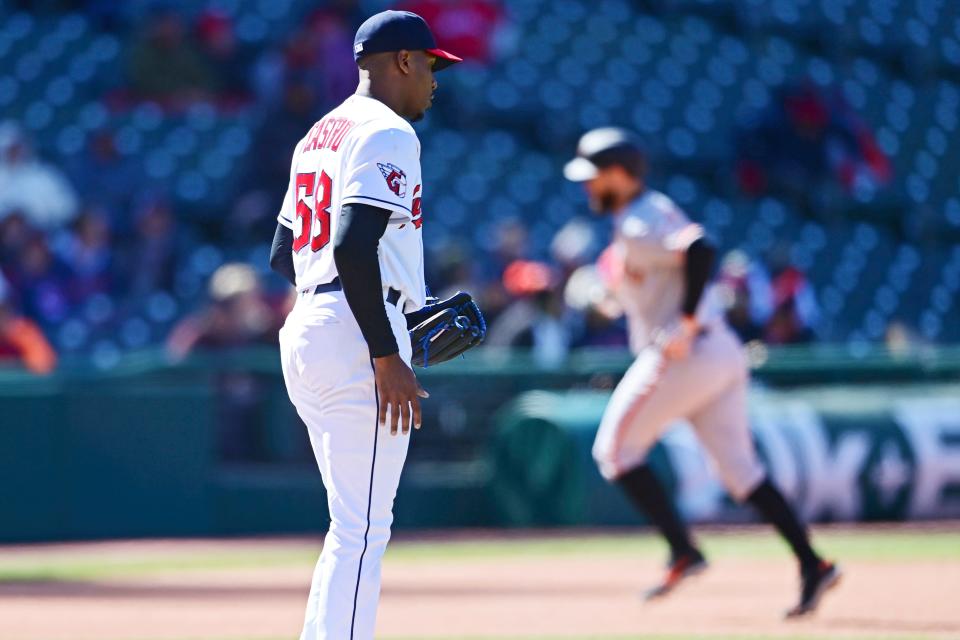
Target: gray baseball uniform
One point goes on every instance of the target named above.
(707, 388)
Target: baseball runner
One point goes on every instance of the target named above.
(349, 239)
(689, 364)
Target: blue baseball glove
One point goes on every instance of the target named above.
(444, 329)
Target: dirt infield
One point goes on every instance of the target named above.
(568, 593)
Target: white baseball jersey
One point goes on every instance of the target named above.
(361, 152)
(364, 153)
(650, 238)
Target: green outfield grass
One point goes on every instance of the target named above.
(868, 545)
(85, 563)
(90, 567)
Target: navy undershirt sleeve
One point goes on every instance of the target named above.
(698, 265)
(281, 254)
(355, 253)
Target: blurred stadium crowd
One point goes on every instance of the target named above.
(145, 146)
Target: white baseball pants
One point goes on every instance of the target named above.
(329, 377)
(708, 388)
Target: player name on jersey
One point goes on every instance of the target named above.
(327, 134)
(359, 153)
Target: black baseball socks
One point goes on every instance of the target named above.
(771, 504)
(649, 497)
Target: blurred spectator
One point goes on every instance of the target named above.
(39, 190)
(452, 270)
(806, 139)
(88, 256)
(601, 330)
(511, 241)
(334, 70)
(785, 326)
(785, 148)
(535, 320)
(778, 311)
(598, 318)
(320, 55)
(254, 215)
(744, 287)
(41, 280)
(574, 245)
(21, 340)
(150, 262)
(505, 243)
(228, 63)
(237, 316)
(791, 284)
(794, 309)
(14, 233)
(739, 317)
(280, 132)
(165, 64)
(103, 175)
(859, 163)
(468, 27)
(900, 339)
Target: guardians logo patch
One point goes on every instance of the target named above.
(395, 177)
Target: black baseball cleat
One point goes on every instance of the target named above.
(814, 584)
(681, 567)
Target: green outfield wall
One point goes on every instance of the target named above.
(211, 446)
(841, 454)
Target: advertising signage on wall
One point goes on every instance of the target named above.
(899, 463)
(841, 453)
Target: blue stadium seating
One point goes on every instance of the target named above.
(683, 73)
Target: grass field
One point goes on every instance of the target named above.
(900, 583)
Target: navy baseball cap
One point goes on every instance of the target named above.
(396, 30)
(602, 148)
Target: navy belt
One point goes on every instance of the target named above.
(393, 295)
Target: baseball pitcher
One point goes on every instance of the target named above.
(688, 365)
(349, 238)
